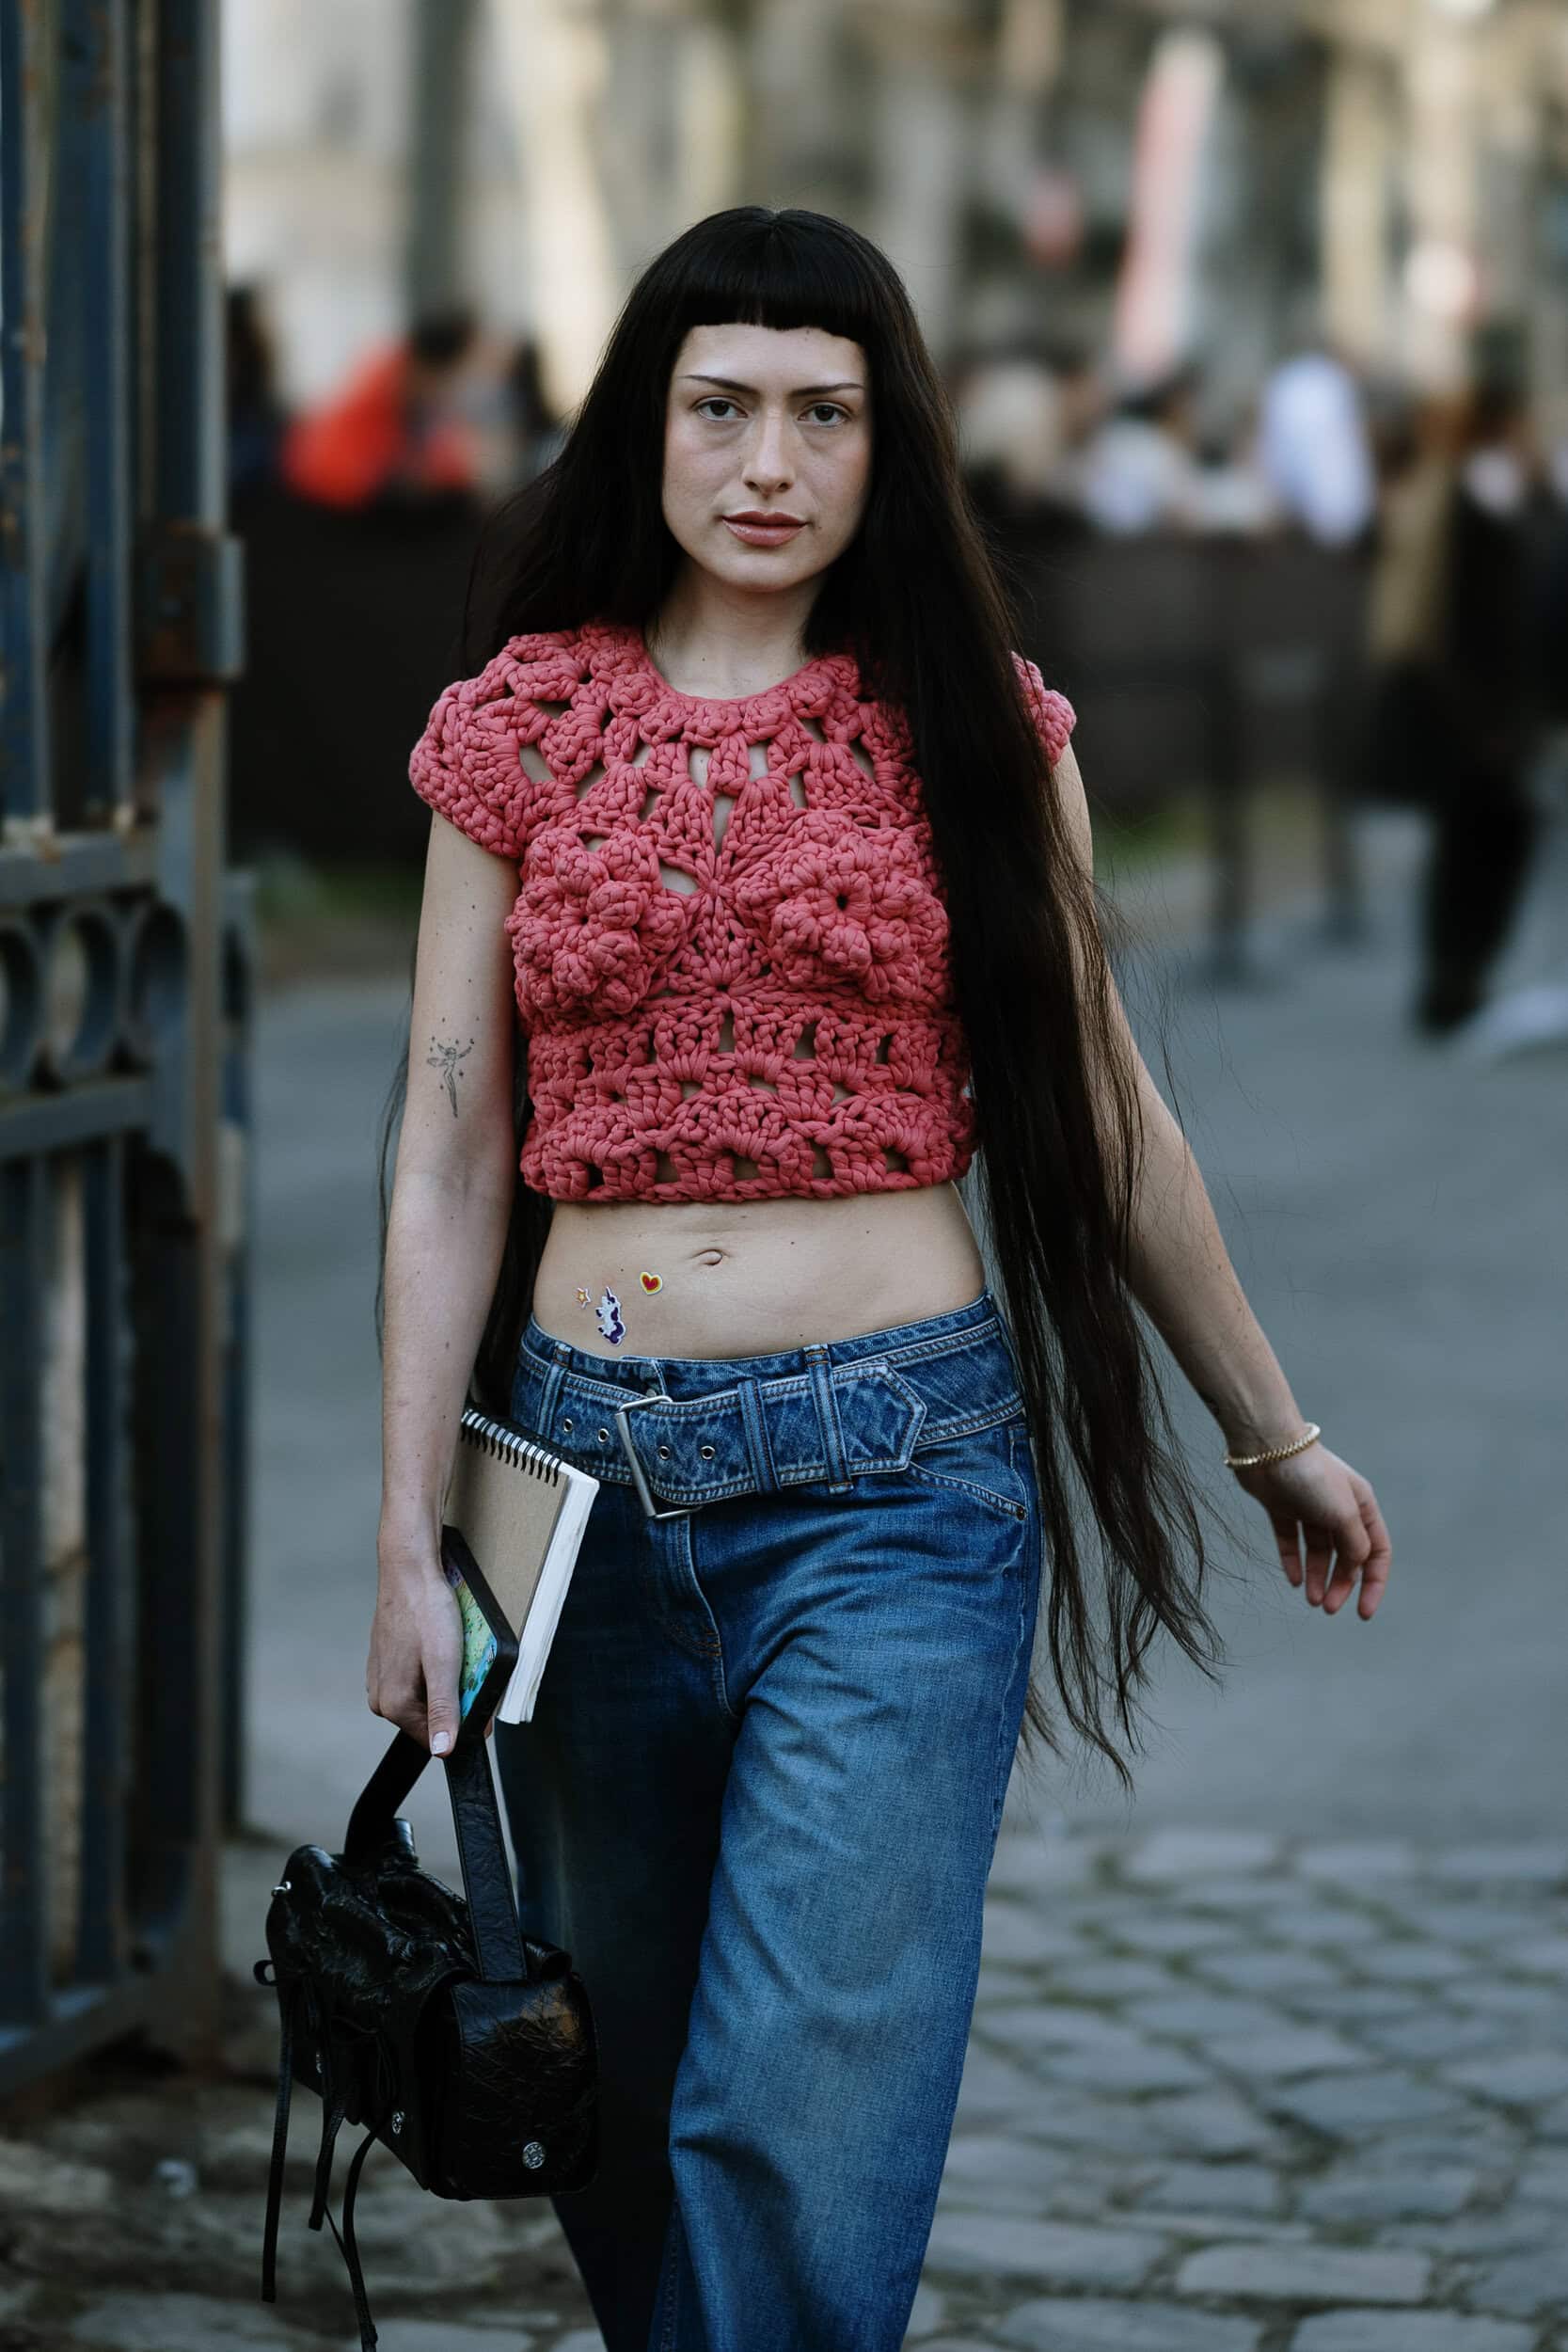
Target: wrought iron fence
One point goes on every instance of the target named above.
(125, 987)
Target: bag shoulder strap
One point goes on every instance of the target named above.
(370, 1824)
(487, 1868)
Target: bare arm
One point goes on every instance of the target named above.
(452, 1202)
(1181, 1275)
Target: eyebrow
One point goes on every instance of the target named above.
(728, 384)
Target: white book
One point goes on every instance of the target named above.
(521, 1509)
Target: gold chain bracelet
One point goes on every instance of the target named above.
(1274, 1452)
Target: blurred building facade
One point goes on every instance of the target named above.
(1393, 173)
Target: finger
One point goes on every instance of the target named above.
(410, 1717)
(398, 1705)
(1352, 1545)
(1319, 1548)
(440, 1702)
(1379, 1560)
(1341, 1580)
(1287, 1534)
(441, 1664)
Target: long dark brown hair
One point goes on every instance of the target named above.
(918, 597)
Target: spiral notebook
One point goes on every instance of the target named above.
(521, 1509)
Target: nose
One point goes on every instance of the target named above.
(767, 465)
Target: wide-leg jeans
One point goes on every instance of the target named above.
(758, 1800)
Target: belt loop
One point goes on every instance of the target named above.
(827, 1414)
(554, 1375)
(754, 1421)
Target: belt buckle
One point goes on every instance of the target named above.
(639, 1477)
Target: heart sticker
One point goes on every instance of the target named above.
(652, 1281)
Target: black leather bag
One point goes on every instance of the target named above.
(463, 2045)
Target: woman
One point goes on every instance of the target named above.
(807, 913)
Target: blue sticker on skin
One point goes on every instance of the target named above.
(609, 1315)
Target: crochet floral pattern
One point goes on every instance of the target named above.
(835, 901)
(730, 945)
(591, 926)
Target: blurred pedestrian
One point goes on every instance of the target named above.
(1141, 470)
(398, 429)
(1010, 430)
(1229, 493)
(257, 418)
(1453, 637)
(1314, 448)
(1026, 413)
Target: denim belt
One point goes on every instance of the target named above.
(833, 1422)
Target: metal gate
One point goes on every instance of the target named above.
(125, 987)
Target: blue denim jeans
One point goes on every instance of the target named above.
(758, 1800)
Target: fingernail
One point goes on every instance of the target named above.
(441, 1743)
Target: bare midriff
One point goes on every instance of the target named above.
(749, 1278)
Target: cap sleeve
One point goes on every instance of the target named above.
(1053, 715)
(467, 763)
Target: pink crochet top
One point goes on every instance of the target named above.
(730, 948)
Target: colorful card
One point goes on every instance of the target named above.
(479, 1645)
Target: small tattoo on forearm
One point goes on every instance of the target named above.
(444, 1058)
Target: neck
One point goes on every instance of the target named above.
(711, 638)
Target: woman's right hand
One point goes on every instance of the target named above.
(416, 1652)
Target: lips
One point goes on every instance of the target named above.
(766, 531)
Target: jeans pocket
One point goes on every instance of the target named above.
(992, 1465)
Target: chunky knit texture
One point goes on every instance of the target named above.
(730, 946)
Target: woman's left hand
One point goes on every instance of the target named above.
(1315, 1492)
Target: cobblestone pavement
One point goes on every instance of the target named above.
(1229, 2092)
(1225, 2093)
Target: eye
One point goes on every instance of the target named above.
(818, 408)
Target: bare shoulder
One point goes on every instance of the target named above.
(463, 877)
(1052, 714)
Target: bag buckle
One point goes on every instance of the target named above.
(639, 1477)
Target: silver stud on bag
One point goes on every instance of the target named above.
(284, 1887)
(397, 2119)
(533, 2154)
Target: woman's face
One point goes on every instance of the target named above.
(764, 420)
